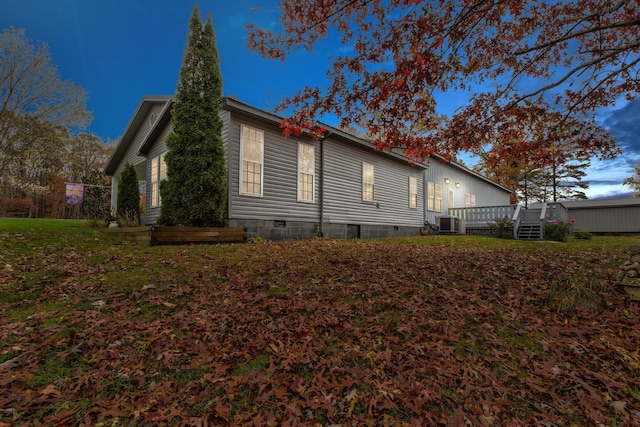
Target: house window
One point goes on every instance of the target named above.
(158, 173)
(467, 200)
(451, 199)
(368, 187)
(430, 196)
(473, 200)
(306, 172)
(413, 192)
(252, 159)
(434, 197)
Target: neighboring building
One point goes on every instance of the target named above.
(297, 187)
(604, 215)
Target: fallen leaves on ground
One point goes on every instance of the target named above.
(316, 333)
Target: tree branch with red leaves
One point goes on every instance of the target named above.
(574, 56)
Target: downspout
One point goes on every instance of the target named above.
(321, 232)
(114, 194)
(425, 202)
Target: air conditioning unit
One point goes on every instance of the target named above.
(451, 224)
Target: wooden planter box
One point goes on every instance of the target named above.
(163, 235)
(138, 234)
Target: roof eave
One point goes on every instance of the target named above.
(238, 106)
(131, 129)
(158, 127)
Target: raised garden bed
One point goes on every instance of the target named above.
(164, 235)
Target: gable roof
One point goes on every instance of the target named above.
(156, 130)
(232, 105)
(601, 203)
(335, 133)
(137, 119)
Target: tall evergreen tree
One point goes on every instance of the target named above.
(195, 192)
(564, 181)
(128, 194)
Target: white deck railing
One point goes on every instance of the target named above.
(480, 216)
(556, 212)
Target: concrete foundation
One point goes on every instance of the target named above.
(281, 230)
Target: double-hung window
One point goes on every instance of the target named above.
(413, 192)
(434, 197)
(368, 182)
(306, 172)
(251, 161)
(431, 196)
(158, 173)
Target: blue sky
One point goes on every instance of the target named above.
(121, 50)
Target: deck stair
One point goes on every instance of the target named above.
(529, 232)
(529, 224)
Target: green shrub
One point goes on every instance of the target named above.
(94, 223)
(558, 230)
(128, 219)
(502, 228)
(128, 195)
(582, 235)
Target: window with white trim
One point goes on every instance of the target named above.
(451, 200)
(434, 197)
(431, 196)
(438, 198)
(473, 200)
(306, 172)
(467, 200)
(158, 173)
(251, 161)
(368, 182)
(413, 192)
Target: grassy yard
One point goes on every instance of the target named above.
(431, 330)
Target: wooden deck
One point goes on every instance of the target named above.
(162, 235)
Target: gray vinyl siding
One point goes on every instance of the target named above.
(225, 116)
(487, 194)
(619, 219)
(131, 155)
(159, 147)
(343, 202)
(279, 200)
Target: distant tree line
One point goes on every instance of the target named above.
(42, 144)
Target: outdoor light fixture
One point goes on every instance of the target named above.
(446, 180)
(457, 185)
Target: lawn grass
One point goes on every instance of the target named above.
(426, 330)
(605, 242)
